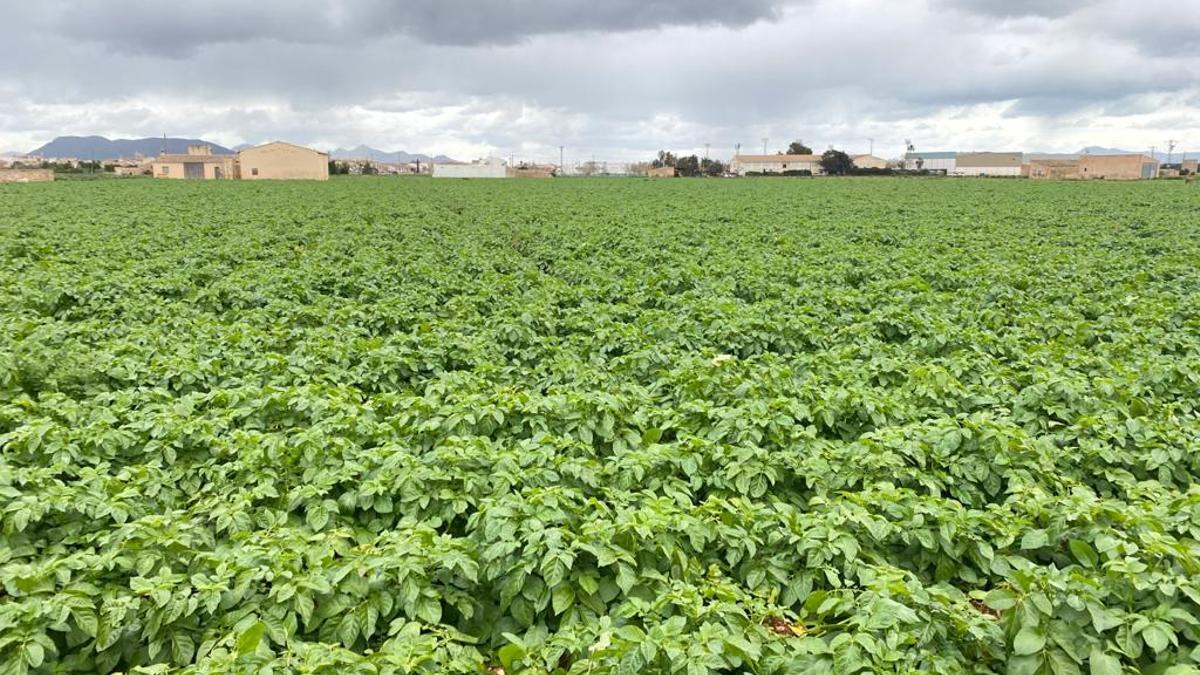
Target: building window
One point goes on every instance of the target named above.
(166, 170)
(254, 171)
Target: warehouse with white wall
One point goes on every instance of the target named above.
(988, 164)
(492, 167)
(930, 161)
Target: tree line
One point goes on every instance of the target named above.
(690, 165)
(833, 162)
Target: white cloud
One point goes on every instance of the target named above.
(676, 75)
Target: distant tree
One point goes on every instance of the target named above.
(640, 168)
(798, 148)
(664, 159)
(589, 168)
(712, 167)
(836, 162)
(687, 166)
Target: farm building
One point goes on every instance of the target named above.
(943, 162)
(987, 164)
(283, 161)
(744, 164)
(277, 160)
(531, 171)
(1117, 167)
(199, 163)
(869, 162)
(492, 167)
(1051, 169)
(661, 172)
(26, 175)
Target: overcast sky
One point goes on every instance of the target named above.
(615, 78)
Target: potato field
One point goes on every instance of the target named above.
(598, 426)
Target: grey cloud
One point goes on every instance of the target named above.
(1155, 27)
(176, 28)
(1014, 8)
(622, 75)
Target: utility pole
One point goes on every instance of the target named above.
(871, 141)
(765, 139)
(706, 150)
(562, 168)
(1171, 148)
(1152, 151)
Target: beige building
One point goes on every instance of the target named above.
(26, 175)
(1117, 167)
(283, 161)
(745, 164)
(277, 160)
(869, 162)
(1052, 169)
(660, 172)
(988, 164)
(1190, 166)
(531, 171)
(199, 164)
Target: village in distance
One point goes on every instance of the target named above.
(279, 160)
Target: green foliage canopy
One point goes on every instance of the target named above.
(601, 426)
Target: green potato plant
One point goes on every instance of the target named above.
(600, 426)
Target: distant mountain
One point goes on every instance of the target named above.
(1100, 150)
(99, 147)
(376, 155)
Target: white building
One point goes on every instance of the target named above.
(492, 167)
(944, 162)
(988, 164)
(744, 164)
